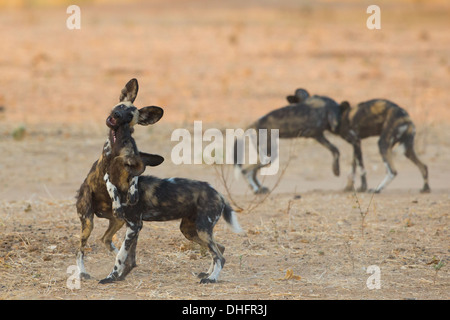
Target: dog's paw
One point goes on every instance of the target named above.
(202, 275)
(84, 276)
(206, 280)
(262, 190)
(106, 280)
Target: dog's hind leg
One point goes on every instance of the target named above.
(327, 144)
(408, 142)
(218, 259)
(189, 228)
(114, 226)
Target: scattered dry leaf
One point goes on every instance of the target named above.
(290, 275)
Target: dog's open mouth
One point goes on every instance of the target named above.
(111, 122)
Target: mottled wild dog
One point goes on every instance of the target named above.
(383, 118)
(196, 203)
(306, 116)
(119, 150)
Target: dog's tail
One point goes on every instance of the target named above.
(230, 217)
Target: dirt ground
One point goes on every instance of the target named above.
(226, 64)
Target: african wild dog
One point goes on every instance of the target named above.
(118, 150)
(196, 203)
(306, 116)
(383, 118)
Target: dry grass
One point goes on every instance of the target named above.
(321, 247)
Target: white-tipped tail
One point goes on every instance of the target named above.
(234, 223)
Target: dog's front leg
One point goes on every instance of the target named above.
(133, 193)
(126, 258)
(118, 209)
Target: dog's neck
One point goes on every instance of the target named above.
(121, 138)
(117, 139)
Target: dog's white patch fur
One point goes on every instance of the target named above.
(107, 147)
(133, 185)
(215, 273)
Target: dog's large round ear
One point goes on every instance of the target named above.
(344, 106)
(150, 115)
(129, 92)
(292, 99)
(151, 160)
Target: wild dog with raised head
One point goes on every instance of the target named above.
(93, 198)
(383, 118)
(306, 116)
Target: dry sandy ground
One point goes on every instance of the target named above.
(226, 65)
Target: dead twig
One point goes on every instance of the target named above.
(224, 181)
(362, 213)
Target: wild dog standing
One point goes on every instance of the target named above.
(196, 203)
(93, 198)
(307, 116)
(382, 118)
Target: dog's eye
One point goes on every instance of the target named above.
(129, 117)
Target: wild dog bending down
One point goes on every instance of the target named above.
(382, 118)
(119, 150)
(196, 203)
(307, 116)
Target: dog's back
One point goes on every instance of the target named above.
(177, 198)
(372, 117)
(308, 118)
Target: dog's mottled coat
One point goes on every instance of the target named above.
(196, 203)
(383, 118)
